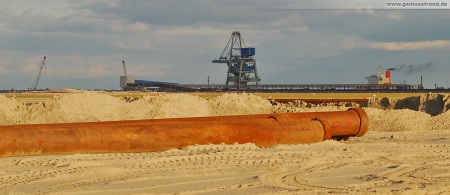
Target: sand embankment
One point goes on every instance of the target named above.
(406, 150)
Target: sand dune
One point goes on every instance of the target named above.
(404, 152)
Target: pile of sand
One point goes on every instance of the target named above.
(91, 107)
(77, 107)
(184, 105)
(65, 90)
(397, 120)
(11, 111)
(236, 104)
(166, 106)
(300, 106)
(440, 122)
(434, 104)
(431, 103)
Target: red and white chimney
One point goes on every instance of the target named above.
(388, 75)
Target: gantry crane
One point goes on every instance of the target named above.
(39, 75)
(239, 59)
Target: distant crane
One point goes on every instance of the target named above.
(125, 79)
(240, 62)
(124, 69)
(39, 75)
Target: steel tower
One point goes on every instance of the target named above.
(239, 59)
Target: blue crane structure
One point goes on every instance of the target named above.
(241, 64)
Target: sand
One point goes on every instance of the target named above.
(406, 150)
(165, 106)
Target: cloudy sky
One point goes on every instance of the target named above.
(85, 42)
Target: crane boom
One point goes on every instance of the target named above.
(124, 69)
(39, 75)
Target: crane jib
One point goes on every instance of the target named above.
(39, 74)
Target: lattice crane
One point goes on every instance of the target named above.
(39, 75)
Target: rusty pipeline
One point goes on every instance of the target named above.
(163, 134)
(322, 101)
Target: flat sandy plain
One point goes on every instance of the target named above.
(404, 152)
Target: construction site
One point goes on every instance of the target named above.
(224, 97)
(168, 138)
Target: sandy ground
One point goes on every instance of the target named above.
(405, 151)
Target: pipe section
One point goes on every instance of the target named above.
(353, 122)
(163, 134)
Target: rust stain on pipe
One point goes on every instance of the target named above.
(163, 134)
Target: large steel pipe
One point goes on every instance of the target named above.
(353, 122)
(163, 134)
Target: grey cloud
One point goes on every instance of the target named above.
(413, 68)
(55, 43)
(186, 12)
(417, 25)
(72, 23)
(112, 16)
